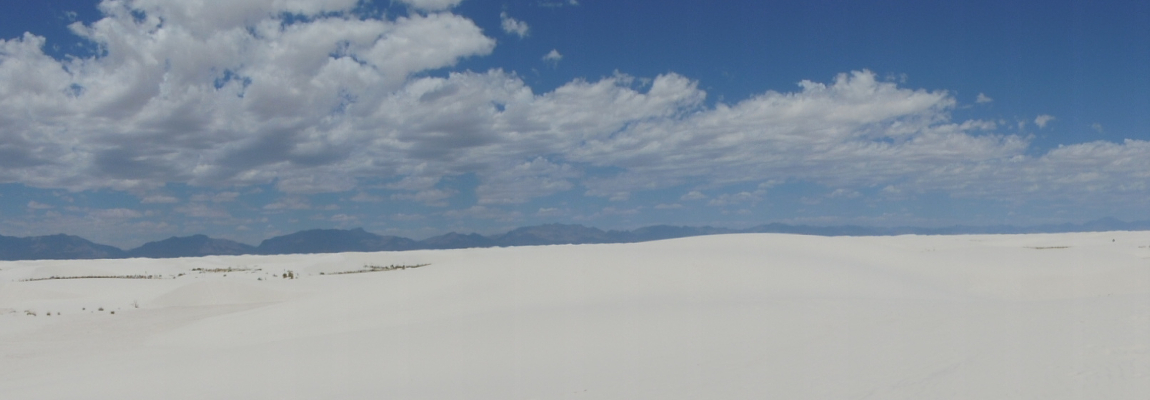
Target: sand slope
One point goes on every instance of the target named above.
(1061, 316)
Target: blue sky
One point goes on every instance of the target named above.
(133, 120)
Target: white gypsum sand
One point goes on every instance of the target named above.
(754, 316)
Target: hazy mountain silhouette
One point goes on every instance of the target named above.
(54, 247)
(660, 232)
(333, 241)
(191, 246)
(552, 234)
(456, 241)
(61, 246)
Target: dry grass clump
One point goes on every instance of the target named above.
(224, 270)
(95, 277)
(375, 268)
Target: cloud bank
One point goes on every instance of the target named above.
(316, 98)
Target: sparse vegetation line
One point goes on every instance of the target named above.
(375, 268)
(1048, 247)
(228, 269)
(95, 277)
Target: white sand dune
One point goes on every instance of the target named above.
(1061, 316)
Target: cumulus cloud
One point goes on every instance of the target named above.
(1042, 120)
(557, 4)
(201, 210)
(214, 93)
(694, 195)
(432, 5)
(983, 98)
(613, 211)
(344, 218)
(729, 199)
(512, 26)
(289, 203)
(115, 213)
(550, 212)
(222, 197)
(553, 56)
(431, 197)
(159, 199)
(362, 197)
(34, 205)
(844, 193)
(524, 181)
(484, 212)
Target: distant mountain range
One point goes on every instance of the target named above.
(65, 247)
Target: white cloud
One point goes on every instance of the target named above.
(34, 205)
(483, 212)
(694, 195)
(1042, 120)
(362, 197)
(115, 213)
(201, 210)
(844, 193)
(226, 94)
(512, 26)
(212, 92)
(557, 4)
(553, 56)
(289, 203)
(668, 206)
(431, 197)
(159, 199)
(550, 212)
(983, 98)
(344, 218)
(407, 217)
(222, 197)
(609, 211)
(728, 199)
(524, 181)
(432, 5)
(1097, 127)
